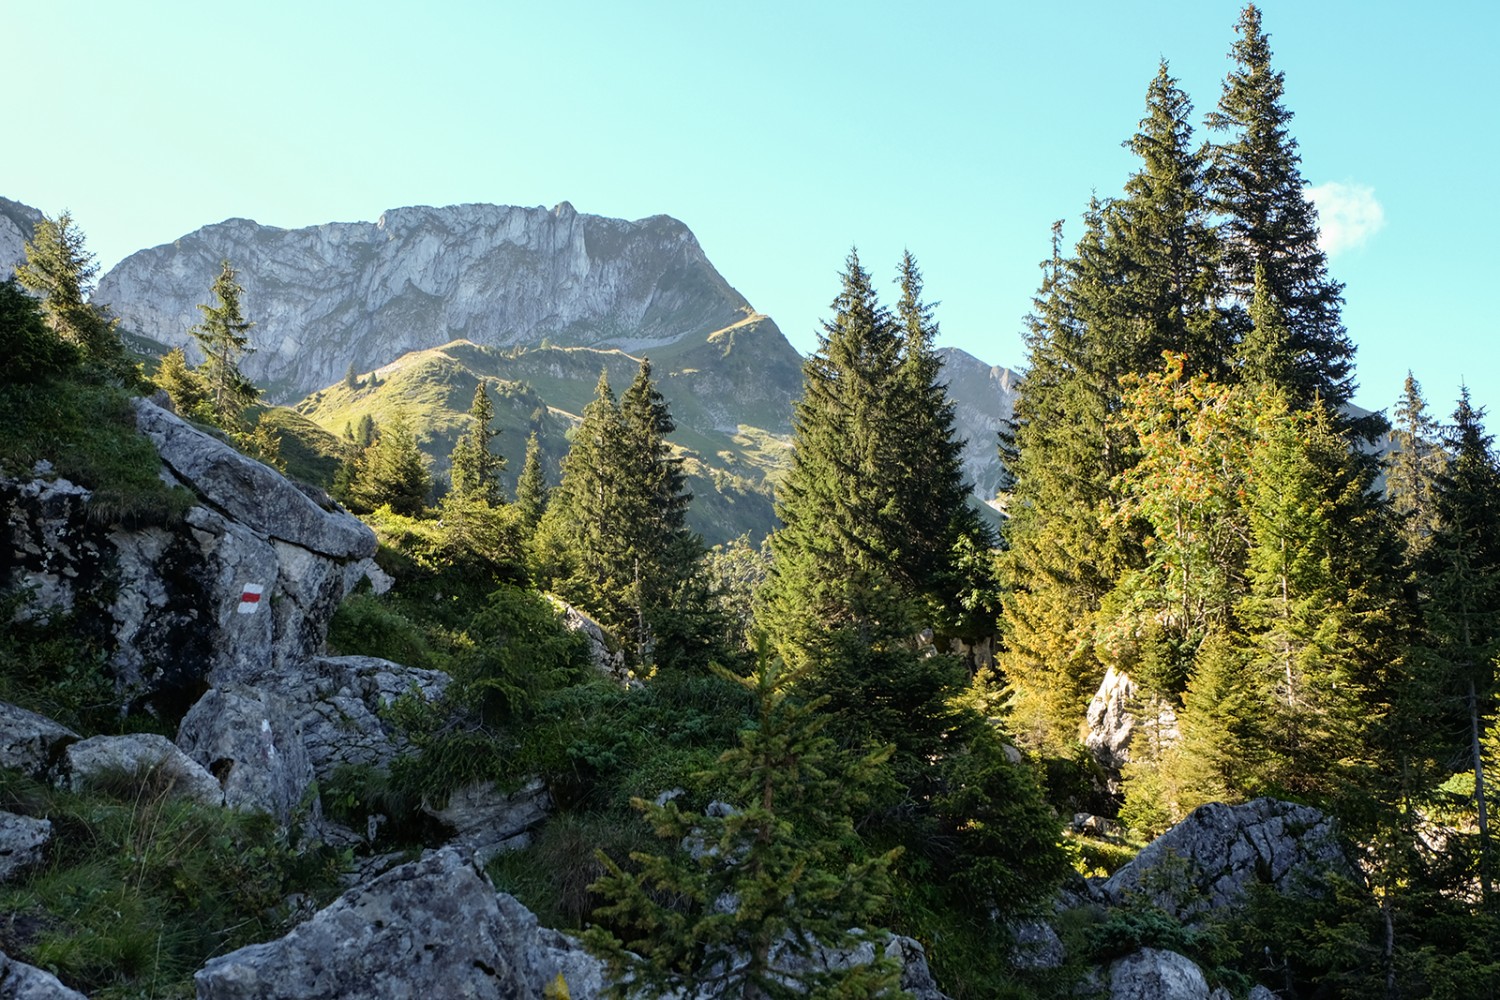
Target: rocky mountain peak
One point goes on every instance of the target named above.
(328, 296)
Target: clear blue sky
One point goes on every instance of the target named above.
(781, 133)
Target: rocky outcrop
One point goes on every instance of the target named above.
(19, 981)
(363, 292)
(606, 656)
(269, 741)
(23, 843)
(16, 224)
(244, 587)
(1117, 715)
(984, 400)
(31, 743)
(154, 760)
(435, 927)
(1210, 860)
(1154, 974)
(487, 821)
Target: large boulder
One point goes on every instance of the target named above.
(244, 588)
(31, 743)
(488, 821)
(19, 981)
(1154, 974)
(1212, 858)
(152, 759)
(1117, 714)
(250, 739)
(434, 927)
(23, 842)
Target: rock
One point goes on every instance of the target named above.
(338, 700)
(487, 821)
(434, 927)
(1116, 714)
(142, 754)
(19, 981)
(17, 221)
(916, 977)
(1037, 946)
(23, 843)
(1210, 859)
(251, 740)
(249, 492)
(1258, 992)
(367, 292)
(1154, 974)
(30, 743)
(607, 659)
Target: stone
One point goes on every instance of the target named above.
(1211, 859)
(604, 654)
(19, 981)
(249, 492)
(1037, 946)
(141, 753)
(487, 821)
(251, 740)
(23, 843)
(1116, 716)
(31, 743)
(431, 928)
(1154, 974)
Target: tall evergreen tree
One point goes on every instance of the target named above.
(392, 471)
(1256, 185)
(531, 486)
(223, 338)
(32, 351)
(1412, 467)
(476, 467)
(60, 271)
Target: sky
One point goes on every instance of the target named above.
(782, 134)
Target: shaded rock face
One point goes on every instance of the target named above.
(1117, 715)
(1211, 859)
(16, 224)
(487, 821)
(31, 743)
(19, 981)
(435, 927)
(140, 754)
(1154, 974)
(244, 587)
(326, 296)
(268, 742)
(984, 400)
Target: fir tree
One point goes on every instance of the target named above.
(1412, 467)
(1255, 179)
(531, 487)
(60, 271)
(223, 339)
(392, 472)
(183, 386)
(476, 467)
(742, 904)
(32, 351)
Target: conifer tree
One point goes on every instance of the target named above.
(392, 471)
(60, 271)
(1256, 183)
(32, 351)
(531, 487)
(739, 904)
(476, 467)
(1412, 467)
(223, 339)
(183, 386)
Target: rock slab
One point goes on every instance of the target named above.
(19, 981)
(141, 753)
(23, 841)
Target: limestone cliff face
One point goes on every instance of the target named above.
(364, 293)
(16, 223)
(984, 398)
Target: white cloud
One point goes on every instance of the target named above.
(1348, 215)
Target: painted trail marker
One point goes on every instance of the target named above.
(250, 598)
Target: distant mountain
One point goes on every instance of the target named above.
(365, 293)
(16, 224)
(984, 398)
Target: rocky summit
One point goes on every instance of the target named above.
(364, 293)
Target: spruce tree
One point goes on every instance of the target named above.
(476, 467)
(223, 339)
(1256, 185)
(60, 271)
(531, 487)
(1412, 467)
(392, 471)
(32, 351)
(183, 386)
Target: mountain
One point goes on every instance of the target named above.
(16, 223)
(984, 398)
(364, 293)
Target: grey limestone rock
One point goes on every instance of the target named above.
(1154, 974)
(607, 659)
(1117, 715)
(23, 843)
(488, 821)
(29, 742)
(431, 928)
(19, 981)
(1210, 859)
(250, 493)
(251, 740)
(17, 221)
(87, 760)
(1037, 946)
